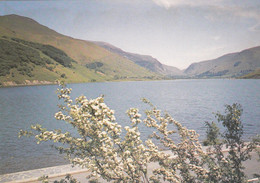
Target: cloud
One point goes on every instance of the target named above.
(177, 3)
(255, 28)
(221, 9)
(235, 13)
(216, 38)
(249, 13)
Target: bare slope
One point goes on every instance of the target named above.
(145, 61)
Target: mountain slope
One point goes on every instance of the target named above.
(83, 52)
(23, 62)
(145, 61)
(230, 65)
(252, 75)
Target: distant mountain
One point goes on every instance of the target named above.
(35, 54)
(93, 62)
(229, 65)
(145, 61)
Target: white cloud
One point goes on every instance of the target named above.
(251, 14)
(229, 12)
(255, 27)
(216, 38)
(219, 9)
(236, 7)
(176, 3)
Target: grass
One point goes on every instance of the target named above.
(253, 75)
(24, 56)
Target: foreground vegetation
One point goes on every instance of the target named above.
(117, 156)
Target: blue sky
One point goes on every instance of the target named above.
(176, 32)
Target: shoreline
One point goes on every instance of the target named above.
(59, 172)
(46, 83)
(35, 174)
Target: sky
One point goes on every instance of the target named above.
(176, 32)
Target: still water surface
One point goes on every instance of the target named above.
(191, 102)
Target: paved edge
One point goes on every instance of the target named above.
(50, 176)
(70, 171)
(36, 177)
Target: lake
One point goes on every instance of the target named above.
(192, 102)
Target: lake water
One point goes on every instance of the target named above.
(191, 102)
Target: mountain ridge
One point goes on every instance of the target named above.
(106, 62)
(145, 61)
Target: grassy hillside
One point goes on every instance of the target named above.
(23, 62)
(252, 75)
(82, 52)
(230, 65)
(54, 53)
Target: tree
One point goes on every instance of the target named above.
(212, 134)
(230, 165)
(101, 147)
(63, 75)
(238, 150)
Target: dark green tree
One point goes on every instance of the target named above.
(238, 150)
(212, 134)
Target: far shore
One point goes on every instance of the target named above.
(10, 84)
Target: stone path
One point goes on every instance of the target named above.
(59, 172)
(33, 175)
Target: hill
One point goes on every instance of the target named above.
(145, 61)
(86, 61)
(23, 62)
(229, 65)
(252, 75)
(89, 58)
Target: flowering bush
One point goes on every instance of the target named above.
(101, 147)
